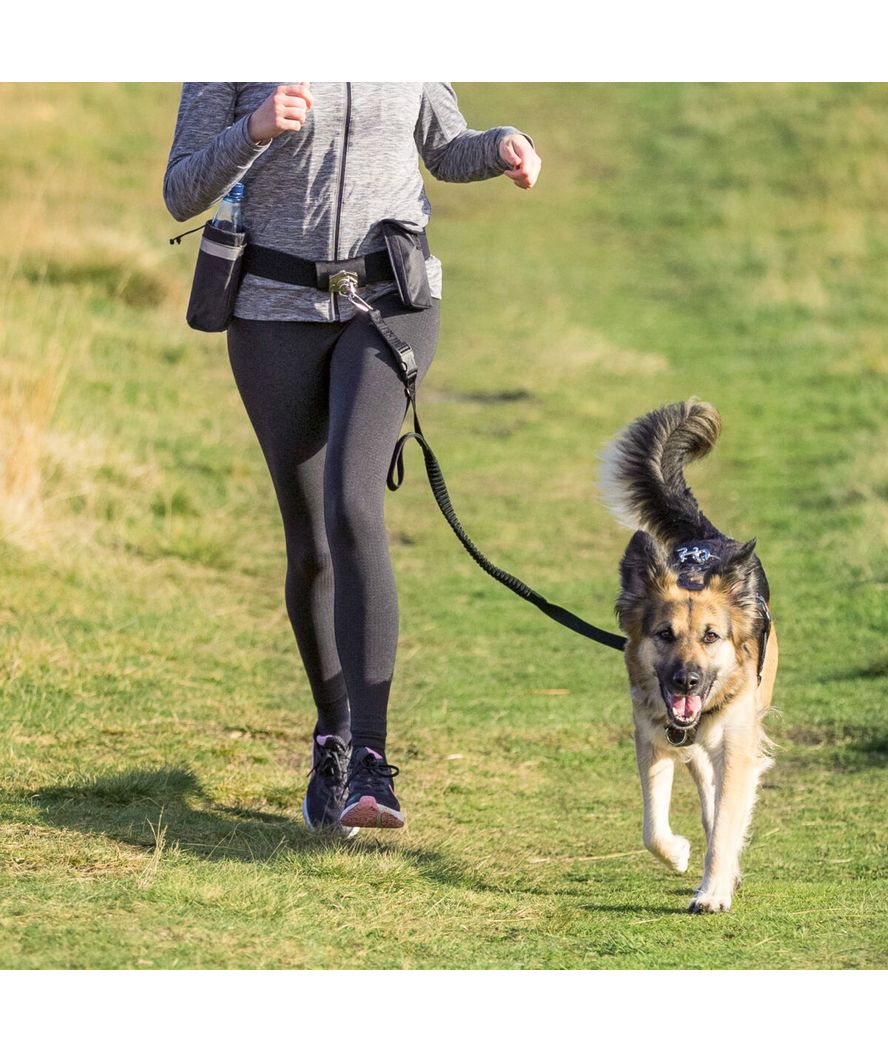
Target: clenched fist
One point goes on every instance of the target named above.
(284, 110)
(523, 160)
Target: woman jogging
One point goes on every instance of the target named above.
(323, 166)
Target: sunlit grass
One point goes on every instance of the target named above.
(726, 241)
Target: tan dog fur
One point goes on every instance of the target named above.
(730, 752)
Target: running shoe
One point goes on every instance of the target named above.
(327, 785)
(371, 793)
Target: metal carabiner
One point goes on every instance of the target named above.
(345, 283)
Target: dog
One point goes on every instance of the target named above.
(701, 648)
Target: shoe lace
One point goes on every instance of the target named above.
(377, 772)
(331, 763)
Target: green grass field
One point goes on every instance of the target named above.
(724, 241)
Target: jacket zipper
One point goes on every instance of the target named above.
(348, 105)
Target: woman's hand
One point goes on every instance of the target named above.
(285, 110)
(525, 163)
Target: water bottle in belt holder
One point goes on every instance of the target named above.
(217, 272)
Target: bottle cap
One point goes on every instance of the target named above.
(236, 193)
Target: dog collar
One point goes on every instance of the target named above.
(681, 736)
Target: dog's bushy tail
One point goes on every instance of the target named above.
(643, 481)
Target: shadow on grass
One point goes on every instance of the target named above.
(869, 751)
(875, 670)
(836, 747)
(137, 807)
(134, 807)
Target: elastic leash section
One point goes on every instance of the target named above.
(345, 284)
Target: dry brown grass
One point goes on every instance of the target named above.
(27, 404)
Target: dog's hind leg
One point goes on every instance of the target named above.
(656, 772)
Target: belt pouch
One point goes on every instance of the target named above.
(217, 275)
(408, 263)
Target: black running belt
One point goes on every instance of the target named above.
(294, 270)
(407, 369)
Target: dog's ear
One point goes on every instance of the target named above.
(643, 568)
(738, 578)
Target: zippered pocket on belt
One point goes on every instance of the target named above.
(408, 263)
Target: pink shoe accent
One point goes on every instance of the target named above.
(366, 812)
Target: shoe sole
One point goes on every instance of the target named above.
(346, 832)
(368, 812)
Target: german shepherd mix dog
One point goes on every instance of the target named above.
(701, 650)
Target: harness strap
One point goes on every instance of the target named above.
(765, 613)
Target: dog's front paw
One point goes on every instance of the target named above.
(710, 902)
(680, 853)
(674, 852)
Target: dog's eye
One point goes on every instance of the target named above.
(710, 637)
(667, 635)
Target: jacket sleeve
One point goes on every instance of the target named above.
(450, 149)
(209, 153)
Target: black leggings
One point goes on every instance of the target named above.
(327, 405)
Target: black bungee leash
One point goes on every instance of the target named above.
(344, 283)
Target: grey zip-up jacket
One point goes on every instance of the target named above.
(320, 193)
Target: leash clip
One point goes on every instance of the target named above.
(345, 283)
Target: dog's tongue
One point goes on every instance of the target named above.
(686, 707)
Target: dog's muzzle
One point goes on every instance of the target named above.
(683, 709)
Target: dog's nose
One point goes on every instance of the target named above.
(687, 680)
